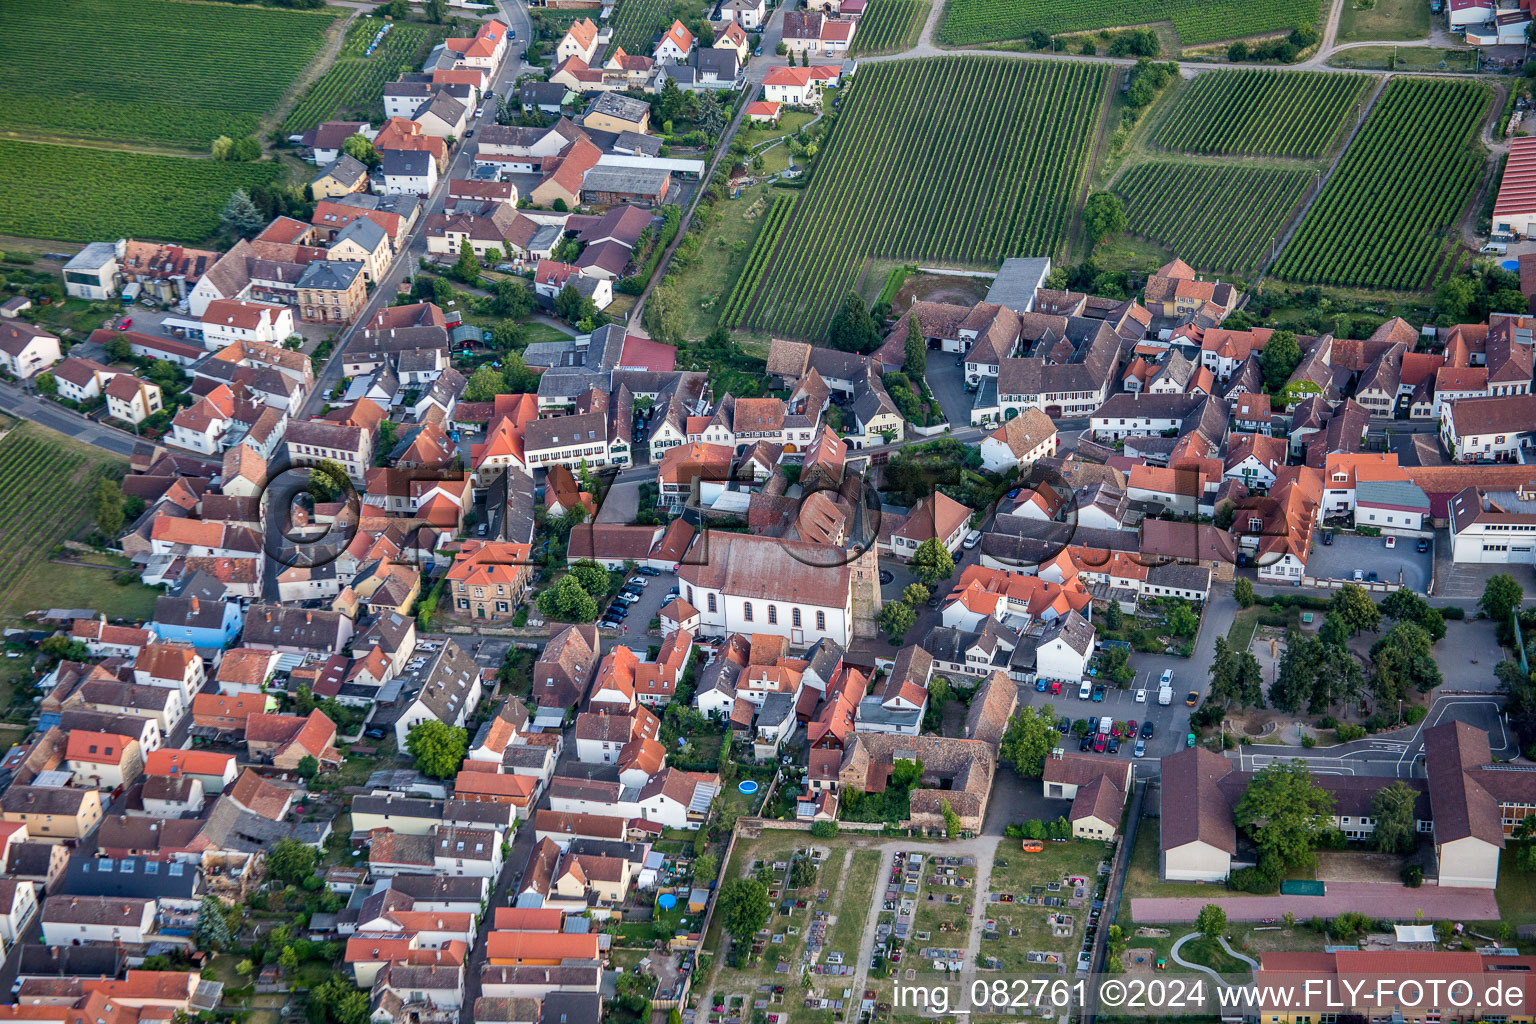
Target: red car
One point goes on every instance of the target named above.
(1130, 729)
(1114, 729)
(1098, 743)
(1056, 686)
(127, 323)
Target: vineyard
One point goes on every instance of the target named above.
(150, 70)
(74, 194)
(637, 23)
(1262, 113)
(890, 26)
(962, 160)
(767, 239)
(1190, 208)
(43, 499)
(354, 85)
(967, 22)
(1387, 217)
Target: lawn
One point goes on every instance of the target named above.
(148, 71)
(130, 194)
(726, 243)
(1365, 20)
(967, 22)
(856, 894)
(1516, 892)
(1405, 58)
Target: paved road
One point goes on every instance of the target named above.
(515, 14)
(68, 422)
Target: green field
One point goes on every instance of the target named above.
(967, 22)
(149, 71)
(1365, 20)
(353, 87)
(1261, 113)
(1191, 209)
(74, 194)
(1387, 217)
(890, 26)
(963, 160)
(45, 480)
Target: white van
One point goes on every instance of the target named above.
(1085, 691)
(1105, 724)
(1495, 248)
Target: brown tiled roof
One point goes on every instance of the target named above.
(991, 707)
(1196, 808)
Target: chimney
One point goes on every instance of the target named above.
(194, 606)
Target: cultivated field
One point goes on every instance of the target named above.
(45, 483)
(149, 71)
(967, 22)
(890, 26)
(43, 193)
(353, 87)
(1387, 217)
(1192, 209)
(1006, 181)
(637, 23)
(1262, 113)
(767, 240)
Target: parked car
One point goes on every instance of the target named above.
(127, 322)
(1423, 545)
(1189, 740)
(1130, 729)
(1327, 536)
(469, 134)
(1098, 694)
(1114, 744)
(1064, 726)
(1141, 748)
(1141, 696)
(1192, 699)
(1085, 744)
(646, 570)
(1100, 741)
(1167, 676)
(1146, 729)
(1040, 685)
(1055, 686)
(1086, 690)
(971, 540)
(1359, 576)
(638, 581)
(374, 734)
(1391, 543)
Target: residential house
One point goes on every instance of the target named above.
(331, 292)
(450, 691)
(25, 350)
(131, 399)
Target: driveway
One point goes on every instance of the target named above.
(1375, 899)
(1401, 564)
(946, 379)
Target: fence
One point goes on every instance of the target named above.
(1378, 587)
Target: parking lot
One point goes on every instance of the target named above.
(634, 631)
(1400, 564)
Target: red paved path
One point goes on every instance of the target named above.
(1378, 899)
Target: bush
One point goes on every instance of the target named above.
(1413, 876)
(1454, 611)
(1413, 714)
(1262, 879)
(824, 829)
(1348, 732)
(1309, 742)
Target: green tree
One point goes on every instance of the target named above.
(107, 506)
(1286, 812)
(221, 147)
(1242, 590)
(1455, 297)
(1235, 677)
(1396, 826)
(1333, 630)
(1027, 741)
(212, 926)
(328, 480)
(896, 617)
(308, 767)
(1401, 662)
(337, 1001)
(915, 357)
(1211, 921)
(592, 577)
(435, 10)
(1355, 608)
(567, 601)
(484, 384)
(1501, 596)
(1525, 852)
(438, 748)
(1182, 621)
(1281, 356)
(467, 267)
(288, 959)
(291, 861)
(47, 384)
(507, 335)
(951, 819)
(852, 328)
(743, 906)
(932, 562)
(511, 299)
(240, 216)
(1103, 218)
(1115, 665)
(119, 349)
(905, 773)
(246, 150)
